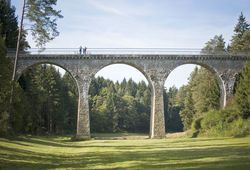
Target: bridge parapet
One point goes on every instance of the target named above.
(132, 56)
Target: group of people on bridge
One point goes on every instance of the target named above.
(83, 50)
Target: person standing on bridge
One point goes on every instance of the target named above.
(80, 50)
(85, 50)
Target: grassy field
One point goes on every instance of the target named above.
(180, 153)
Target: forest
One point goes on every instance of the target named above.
(45, 101)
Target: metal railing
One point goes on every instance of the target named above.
(76, 51)
(130, 51)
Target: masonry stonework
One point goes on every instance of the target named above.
(155, 68)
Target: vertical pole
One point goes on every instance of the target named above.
(18, 41)
(15, 65)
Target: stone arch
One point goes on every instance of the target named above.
(142, 71)
(23, 69)
(139, 69)
(212, 70)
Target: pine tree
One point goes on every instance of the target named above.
(246, 42)
(130, 88)
(215, 45)
(30, 82)
(240, 41)
(112, 108)
(241, 26)
(205, 91)
(181, 95)
(9, 26)
(51, 89)
(8, 23)
(69, 103)
(187, 114)
(43, 17)
(242, 95)
(172, 110)
(4, 86)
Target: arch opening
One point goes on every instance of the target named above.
(190, 91)
(120, 101)
(51, 98)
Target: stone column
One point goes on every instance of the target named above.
(222, 91)
(157, 121)
(228, 78)
(83, 125)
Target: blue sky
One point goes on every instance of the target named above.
(145, 23)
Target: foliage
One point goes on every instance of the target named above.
(43, 19)
(188, 112)
(215, 45)
(8, 23)
(18, 109)
(52, 100)
(196, 126)
(172, 116)
(119, 107)
(204, 99)
(240, 40)
(198, 96)
(246, 42)
(242, 95)
(224, 123)
(9, 26)
(234, 119)
(183, 106)
(4, 86)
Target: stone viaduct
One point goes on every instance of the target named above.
(155, 68)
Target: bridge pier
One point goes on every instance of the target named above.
(229, 79)
(83, 125)
(157, 121)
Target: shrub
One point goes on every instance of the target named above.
(226, 122)
(211, 119)
(196, 126)
(238, 128)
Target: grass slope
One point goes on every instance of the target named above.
(183, 153)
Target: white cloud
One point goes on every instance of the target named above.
(106, 8)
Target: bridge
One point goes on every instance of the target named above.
(154, 65)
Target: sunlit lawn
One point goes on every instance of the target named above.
(183, 153)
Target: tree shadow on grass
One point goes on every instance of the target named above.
(41, 141)
(131, 157)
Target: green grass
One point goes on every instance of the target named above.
(180, 153)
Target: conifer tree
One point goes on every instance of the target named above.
(215, 45)
(4, 86)
(241, 38)
(205, 91)
(187, 114)
(242, 95)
